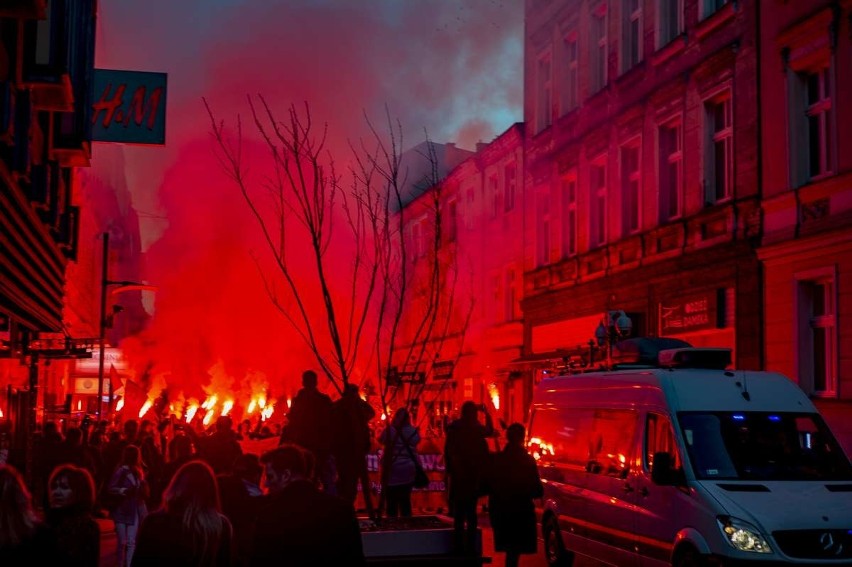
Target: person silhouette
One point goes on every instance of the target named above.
(300, 522)
(24, 539)
(309, 425)
(400, 439)
(466, 456)
(351, 442)
(190, 528)
(512, 483)
(71, 498)
(130, 489)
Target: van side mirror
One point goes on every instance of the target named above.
(663, 472)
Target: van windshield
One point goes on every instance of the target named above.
(762, 446)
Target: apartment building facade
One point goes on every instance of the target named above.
(642, 180)
(479, 245)
(806, 251)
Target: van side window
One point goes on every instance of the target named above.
(610, 441)
(561, 436)
(596, 441)
(659, 438)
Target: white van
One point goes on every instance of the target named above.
(685, 463)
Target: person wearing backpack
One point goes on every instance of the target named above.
(399, 463)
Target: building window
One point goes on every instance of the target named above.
(470, 216)
(816, 86)
(631, 188)
(510, 179)
(542, 254)
(452, 220)
(509, 295)
(569, 218)
(669, 21)
(544, 90)
(570, 99)
(597, 50)
(43, 41)
(719, 149)
(811, 121)
(493, 195)
(631, 34)
(670, 170)
(817, 334)
(818, 111)
(597, 191)
(710, 7)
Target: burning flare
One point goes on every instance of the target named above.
(145, 407)
(495, 395)
(190, 412)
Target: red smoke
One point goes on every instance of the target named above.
(452, 68)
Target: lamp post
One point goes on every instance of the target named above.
(106, 282)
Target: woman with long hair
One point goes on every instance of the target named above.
(400, 439)
(24, 539)
(71, 497)
(130, 490)
(189, 529)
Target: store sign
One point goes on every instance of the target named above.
(687, 314)
(443, 370)
(129, 107)
(432, 463)
(112, 356)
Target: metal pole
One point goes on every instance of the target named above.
(32, 417)
(102, 325)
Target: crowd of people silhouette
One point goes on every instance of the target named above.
(194, 497)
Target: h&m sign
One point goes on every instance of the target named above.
(129, 107)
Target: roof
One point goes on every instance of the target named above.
(676, 390)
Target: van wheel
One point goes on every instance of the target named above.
(554, 550)
(688, 556)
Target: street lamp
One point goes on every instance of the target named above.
(105, 283)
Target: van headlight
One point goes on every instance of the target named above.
(742, 535)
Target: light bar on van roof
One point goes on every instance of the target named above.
(711, 358)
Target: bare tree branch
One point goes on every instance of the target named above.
(388, 309)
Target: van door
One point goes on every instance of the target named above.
(556, 441)
(608, 496)
(658, 509)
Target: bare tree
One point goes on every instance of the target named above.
(394, 310)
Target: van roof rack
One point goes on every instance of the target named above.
(643, 351)
(667, 352)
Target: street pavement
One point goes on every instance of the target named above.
(108, 547)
